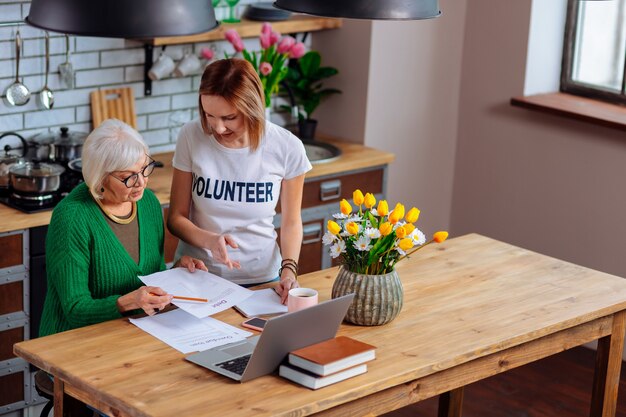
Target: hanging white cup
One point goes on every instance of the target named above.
(162, 68)
(190, 64)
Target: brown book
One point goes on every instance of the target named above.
(332, 355)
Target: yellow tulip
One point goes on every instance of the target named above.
(345, 207)
(383, 208)
(333, 227)
(385, 228)
(397, 213)
(413, 215)
(406, 244)
(400, 232)
(370, 200)
(409, 228)
(440, 236)
(352, 228)
(358, 198)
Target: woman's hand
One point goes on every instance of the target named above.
(286, 283)
(217, 245)
(149, 299)
(190, 263)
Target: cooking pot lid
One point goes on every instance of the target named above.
(62, 136)
(32, 169)
(76, 164)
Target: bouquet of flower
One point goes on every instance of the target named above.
(270, 61)
(373, 240)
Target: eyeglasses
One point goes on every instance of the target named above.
(133, 179)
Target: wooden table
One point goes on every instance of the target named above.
(474, 307)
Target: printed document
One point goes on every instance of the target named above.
(187, 333)
(220, 293)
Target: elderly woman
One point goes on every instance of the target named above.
(104, 234)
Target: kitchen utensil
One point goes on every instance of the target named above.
(66, 70)
(46, 97)
(118, 103)
(68, 145)
(76, 165)
(40, 147)
(35, 178)
(8, 160)
(17, 94)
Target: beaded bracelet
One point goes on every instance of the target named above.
(291, 268)
(291, 262)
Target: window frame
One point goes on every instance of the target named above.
(567, 84)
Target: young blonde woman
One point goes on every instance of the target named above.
(231, 166)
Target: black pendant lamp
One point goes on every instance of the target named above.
(131, 19)
(365, 9)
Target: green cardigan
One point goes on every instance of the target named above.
(88, 268)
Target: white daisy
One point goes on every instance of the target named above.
(341, 216)
(328, 238)
(363, 243)
(400, 251)
(418, 237)
(355, 218)
(372, 233)
(337, 249)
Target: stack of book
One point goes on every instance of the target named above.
(327, 362)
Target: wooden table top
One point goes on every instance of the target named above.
(353, 157)
(464, 299)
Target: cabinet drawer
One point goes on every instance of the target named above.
(13, 383)
(11, 297)
(311, 249)
(333, 189)
(12, 332)
(12, 255)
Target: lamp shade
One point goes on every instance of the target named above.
(365, 9)
(132, 19)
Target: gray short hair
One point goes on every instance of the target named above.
(112, 146)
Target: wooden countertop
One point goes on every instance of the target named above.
(353, 157)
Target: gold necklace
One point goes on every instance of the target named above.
(116, 219)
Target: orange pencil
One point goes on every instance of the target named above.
(180, 297)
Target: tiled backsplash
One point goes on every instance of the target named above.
(99, 63)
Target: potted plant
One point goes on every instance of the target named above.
(304, 78)
(370, 241)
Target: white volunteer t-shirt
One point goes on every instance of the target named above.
(235, 191)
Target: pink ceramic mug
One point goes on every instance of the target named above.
(300, 298)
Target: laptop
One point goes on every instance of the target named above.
(261, 355)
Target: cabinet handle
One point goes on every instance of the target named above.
(311, 233)
(330, 190)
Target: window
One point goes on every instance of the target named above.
(594, 52)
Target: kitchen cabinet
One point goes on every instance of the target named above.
(16, 388)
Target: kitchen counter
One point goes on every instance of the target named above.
(353, 157)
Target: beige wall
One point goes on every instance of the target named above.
(542, 182)
(401, 90)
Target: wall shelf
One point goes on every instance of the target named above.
(251, 29)
(246, 28)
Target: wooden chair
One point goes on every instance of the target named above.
(118, 103)
(45, 388)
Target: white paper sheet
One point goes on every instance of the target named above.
(186, 333)
(221, 293)
(262, 302)
(226, 327)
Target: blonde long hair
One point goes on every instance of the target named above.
(236, 81)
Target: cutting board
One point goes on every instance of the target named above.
(116, 103)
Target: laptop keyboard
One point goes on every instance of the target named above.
(237, 365)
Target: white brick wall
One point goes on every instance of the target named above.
(99, 63)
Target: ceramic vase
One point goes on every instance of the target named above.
(378, 298)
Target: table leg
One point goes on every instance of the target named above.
(450, 403)
(58, 396)
(608, 367)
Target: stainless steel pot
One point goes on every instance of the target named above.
(35, 178)
(68, 145)
(8, 160)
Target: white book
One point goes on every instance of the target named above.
(313, 381)
(262, 302)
